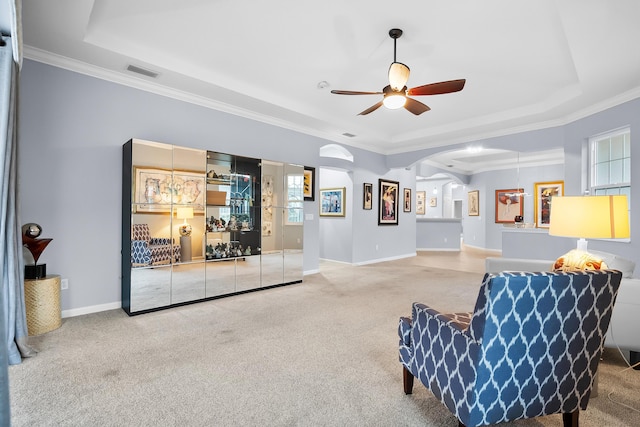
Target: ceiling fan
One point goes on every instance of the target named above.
(396, 95)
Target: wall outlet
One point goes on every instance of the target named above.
(376, 247)
(64, 284)
(445, 240)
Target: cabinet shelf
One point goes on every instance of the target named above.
(218, 181)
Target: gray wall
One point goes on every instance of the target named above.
(482, 231)
(70, 164)
(73, 126)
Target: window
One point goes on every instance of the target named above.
(610, 172)
(295, 199)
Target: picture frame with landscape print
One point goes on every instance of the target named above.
(388, 202)
(509, 204)
(543, 195)
(308, 187)
(367, 196)
(332, 201)
(473, 203)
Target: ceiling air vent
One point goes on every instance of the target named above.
(348, 135)
(142, 71)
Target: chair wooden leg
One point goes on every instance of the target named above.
(570, 419)
(407, 380)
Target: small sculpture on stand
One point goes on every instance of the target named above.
(35, 247)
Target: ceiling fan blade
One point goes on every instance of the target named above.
(372, 108)
(416, 107)
(438, 88)
(352, 92)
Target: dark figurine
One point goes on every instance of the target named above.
(35, 246)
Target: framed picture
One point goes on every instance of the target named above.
(388, 202)
(473, 203)
(433, 202)
(155, 190)
(420, 198)
(332, 201)
(309, 186)
(367, 196)
(544, 193)
(509, 203)
(407, 200)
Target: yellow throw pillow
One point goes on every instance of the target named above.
(576, 260)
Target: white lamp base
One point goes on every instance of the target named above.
(582, 245)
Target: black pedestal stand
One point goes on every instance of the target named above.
(37, 271)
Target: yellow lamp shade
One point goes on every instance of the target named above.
(590, 217)
(184, 213)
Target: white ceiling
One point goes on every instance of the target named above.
(528, 65)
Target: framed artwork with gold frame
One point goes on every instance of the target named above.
(543, 195)
(473, 203)
(332, 201)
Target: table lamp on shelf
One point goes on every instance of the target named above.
(184, 213)
(588, 217)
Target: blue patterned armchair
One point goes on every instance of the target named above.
(530, 348)
(147, 250)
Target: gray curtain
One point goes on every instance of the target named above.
(11, 262)
(12, 309)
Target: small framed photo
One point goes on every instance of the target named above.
(367, 196)
(544, 193)
(407, 200)
(420, 200)
(473, 203)
(509, 204)
(388, 202)
(332, 201)
(308, 188)
(433, 202)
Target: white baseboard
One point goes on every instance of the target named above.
(438, 249)
(393, 258)
(91, 309)
(308, 272)
(497, 252)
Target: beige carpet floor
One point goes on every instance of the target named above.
(319, 353)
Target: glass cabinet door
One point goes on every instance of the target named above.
(152, 248)
(293, 228)
(200, 224)
(272, 219)
(189, 196)
(232, 222)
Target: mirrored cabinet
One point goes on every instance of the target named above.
(199, 225)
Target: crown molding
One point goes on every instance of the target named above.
(90, 70)
(80, 67)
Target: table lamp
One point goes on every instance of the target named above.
(184, 213)
(589, 217)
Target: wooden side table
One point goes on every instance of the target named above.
(42, 301)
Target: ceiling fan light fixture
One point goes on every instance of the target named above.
(398, 75)
(394, 101)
